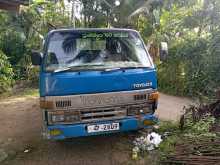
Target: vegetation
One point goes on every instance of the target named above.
(196, 135)
(6, 73)
(197, 130)
(192, 33)
(24, 92)
(191, 28)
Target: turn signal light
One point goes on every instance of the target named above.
(55, 132)
(148, 122)
(46, 104)
(153, 96)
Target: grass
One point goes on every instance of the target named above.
(167, 126)
(192, 131)
(24, 92)
(29, 92)
(167, 146)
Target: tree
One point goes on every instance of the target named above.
(6, 73)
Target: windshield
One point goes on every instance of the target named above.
(95, 50)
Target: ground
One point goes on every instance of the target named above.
(21, 140)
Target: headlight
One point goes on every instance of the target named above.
(72, 118)
(63, 117)
(139, 109)
(57, 118)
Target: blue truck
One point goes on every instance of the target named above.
(95, 81)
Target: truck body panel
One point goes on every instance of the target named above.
(116, 93)
(79, 130)
(69, 83)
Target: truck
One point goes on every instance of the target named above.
(95, 81)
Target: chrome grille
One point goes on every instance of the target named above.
(102, 114)
(63, 103)
(99, 114)
(140, 97)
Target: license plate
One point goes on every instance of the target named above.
(102, 127)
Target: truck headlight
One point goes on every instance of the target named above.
(139, 109)
(72, 118)
(57, 118)
(63, 117)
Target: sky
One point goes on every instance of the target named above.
(77, 8)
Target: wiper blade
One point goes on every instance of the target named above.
(136, 67)
(124, 68)
(85, 67)
(62, 70)
(77, 68)
(111, 69)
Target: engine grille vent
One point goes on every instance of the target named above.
(140, 97)
(103, 114)
(63, 103)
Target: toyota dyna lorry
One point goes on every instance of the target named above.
(95, 81)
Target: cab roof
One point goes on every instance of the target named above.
(93, 29)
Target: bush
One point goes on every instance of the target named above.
(188, 70)
(6, 73)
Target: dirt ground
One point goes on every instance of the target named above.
(21, 140)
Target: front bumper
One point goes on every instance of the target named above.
(77, 130)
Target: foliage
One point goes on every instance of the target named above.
(172, 131)
(191, 31)
(145, 27)
(200, 128)
(22, 32)
(6, 73)
(168, 145)
(198, 122)
(167, 126)
(185, 71)
(23, 93)
(191, 28)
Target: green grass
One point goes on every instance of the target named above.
(30, 92)
(23, 93)
(168, 126)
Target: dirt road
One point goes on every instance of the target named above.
(21, 141)
(170, 108)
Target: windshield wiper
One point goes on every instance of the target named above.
(62, 69)
(111, 69)
(85, 67)
(78, 68)
(137, 67)
(124, 68)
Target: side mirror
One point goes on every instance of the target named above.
(163, 51)
(36, 58)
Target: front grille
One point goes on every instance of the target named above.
(63, 103)
(102, 114)
(99, 114)
(140, 97)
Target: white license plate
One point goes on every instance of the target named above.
(102, 127)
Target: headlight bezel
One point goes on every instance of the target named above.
(69, 117)
(141, 109)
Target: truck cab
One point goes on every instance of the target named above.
(95, 81)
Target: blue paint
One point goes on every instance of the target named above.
(70, 83)
(78, 130)
(91, 82)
